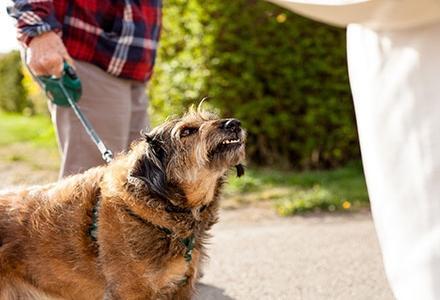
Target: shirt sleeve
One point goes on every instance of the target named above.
(34, 17)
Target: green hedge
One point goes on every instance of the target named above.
(13, 95)
(284, 76)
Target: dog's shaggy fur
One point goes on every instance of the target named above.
(146, 204)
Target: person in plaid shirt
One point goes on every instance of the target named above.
(112, 45)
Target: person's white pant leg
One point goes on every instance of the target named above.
(395, 80)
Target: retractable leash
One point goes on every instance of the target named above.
(66, 91)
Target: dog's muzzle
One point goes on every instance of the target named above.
(231, 127)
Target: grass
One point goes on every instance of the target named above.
(36, 131)
(299, 192)
(29, 143)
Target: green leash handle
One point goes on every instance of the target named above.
(70, 81)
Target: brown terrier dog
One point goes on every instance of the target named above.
(134, 229)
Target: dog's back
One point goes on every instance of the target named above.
(43, 231)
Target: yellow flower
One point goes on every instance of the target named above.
(346, 204)
(281, 18)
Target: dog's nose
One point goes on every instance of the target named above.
(231, 125)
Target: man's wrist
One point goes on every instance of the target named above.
(26, 37)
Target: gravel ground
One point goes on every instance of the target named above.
(256, 255)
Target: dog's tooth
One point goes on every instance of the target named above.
(231, 141)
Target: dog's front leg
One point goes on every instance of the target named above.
(114, 292)
(111, 294)
(184, 292)
(119, 292)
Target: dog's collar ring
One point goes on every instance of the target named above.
(189, 243)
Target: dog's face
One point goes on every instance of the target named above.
(190, 153)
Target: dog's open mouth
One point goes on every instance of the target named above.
(228, 144)
(231, 141)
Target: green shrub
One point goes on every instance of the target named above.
(284, 76)
(13, 95)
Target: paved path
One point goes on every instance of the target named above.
(256, 255)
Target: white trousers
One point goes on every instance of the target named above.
(395, 80)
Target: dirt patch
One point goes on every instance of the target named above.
(13, 174)
(22, 164)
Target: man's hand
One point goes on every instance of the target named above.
(46, 53)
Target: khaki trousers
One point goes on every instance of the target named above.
(117, 110)
(394, 77)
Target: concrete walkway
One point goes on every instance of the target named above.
(257, 255)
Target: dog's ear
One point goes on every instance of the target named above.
(150, 168)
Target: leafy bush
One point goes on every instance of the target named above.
(284, 76)
(13, 95)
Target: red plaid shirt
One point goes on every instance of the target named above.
(118, 36)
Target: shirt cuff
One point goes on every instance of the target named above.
(27, 33)
(33, 23)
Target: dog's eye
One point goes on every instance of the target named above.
(188, 131)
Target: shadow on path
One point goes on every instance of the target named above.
(209, 292)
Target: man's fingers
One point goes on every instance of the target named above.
(37, 69)
(46, 54)
(34, 65)
(46, 65)
(53, 65)
(69, 60)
